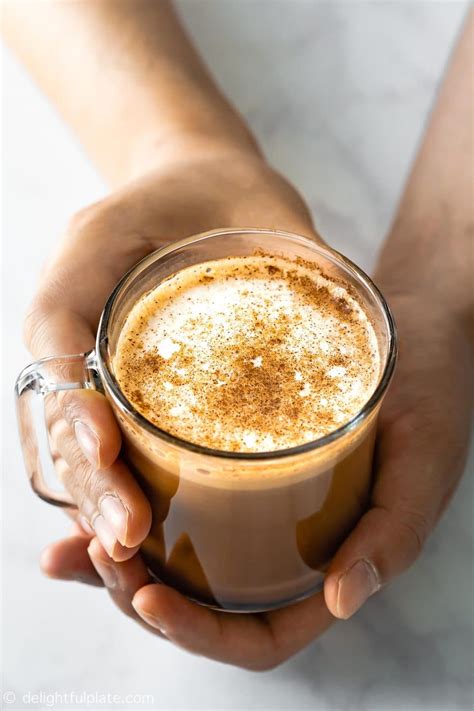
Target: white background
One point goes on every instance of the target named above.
(337, 93)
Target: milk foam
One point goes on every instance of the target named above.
(248, 354)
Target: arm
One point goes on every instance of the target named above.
(425, 271)
(126, 78)
(429, 248)
(424, 421)
(181, 162)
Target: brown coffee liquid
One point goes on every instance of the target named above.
(249, 548)
(248, 535)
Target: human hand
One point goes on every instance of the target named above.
(195, 189)
(422, 441)
(424, 426)
(425, 417)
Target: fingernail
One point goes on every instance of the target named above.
(88, 442)
(115, 515)
(107, 572)
(152, 620)
(355, 586)
(105, 534)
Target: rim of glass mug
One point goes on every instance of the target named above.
(332, 255)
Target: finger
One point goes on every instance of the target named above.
(414, 482)
(257, 642)
(90, 417)
(124, 577)
(67, 559)
(81, 527)
(88, 412)
(242, 640)
(111, 505)
(122, 580)
(61, 321)
(284, 632)
(295, 626)
(118, 513)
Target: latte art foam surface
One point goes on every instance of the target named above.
(248, 354)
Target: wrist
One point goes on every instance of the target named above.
(178, 146)
(434, 315)
(426, 260)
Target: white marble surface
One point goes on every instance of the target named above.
(337, 93)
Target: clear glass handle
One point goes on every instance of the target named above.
(34, 383)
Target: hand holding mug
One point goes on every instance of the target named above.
(390, 534)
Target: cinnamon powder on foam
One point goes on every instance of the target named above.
(248, 354)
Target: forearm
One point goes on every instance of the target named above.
(429, 249)
(126, 77)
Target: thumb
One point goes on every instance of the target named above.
(417, 475)
(59, 331)
(84, 436)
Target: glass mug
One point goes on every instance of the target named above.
(236, 531)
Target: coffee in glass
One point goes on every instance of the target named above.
(246, 369)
